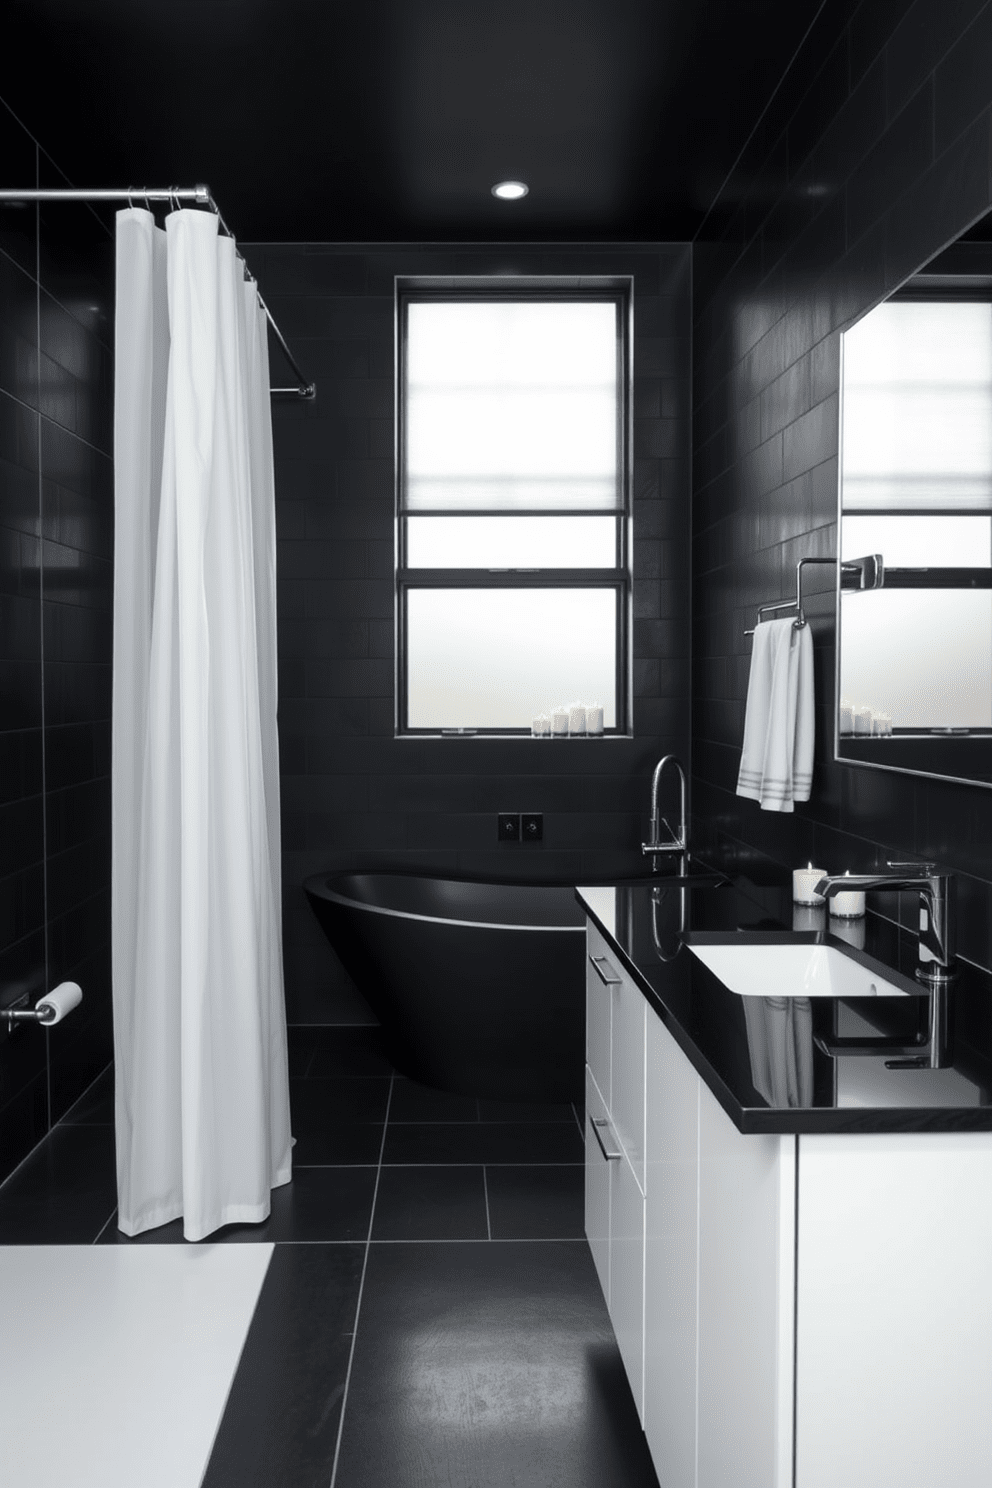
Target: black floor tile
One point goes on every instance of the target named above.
(413, 1102)
(490, 1110)
(95, 1107)
(484, 1142)
(353, 1050)
(431, 1203)
(536, 1203)
(320, 1204)
(280, 1424)
(65, 1190)
(319, 1101)
(323, 1136)
(480, 1366)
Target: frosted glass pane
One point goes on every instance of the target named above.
(495, 658)
(918, 407)
(511, 542)
(920, 542)
(922, 655)
(511, 405)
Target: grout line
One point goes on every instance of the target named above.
(361, 1289)
(511, 1240)
(354, 1244)
(485, 1190)
(105, 1227)
(462, 1162)
(65, 1117)
(41, 639)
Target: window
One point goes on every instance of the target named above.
(512, 569)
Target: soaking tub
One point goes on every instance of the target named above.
(479, 987)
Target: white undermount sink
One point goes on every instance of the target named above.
(792, 971)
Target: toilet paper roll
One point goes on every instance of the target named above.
(62, 999)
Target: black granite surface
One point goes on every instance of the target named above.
(761, 1057)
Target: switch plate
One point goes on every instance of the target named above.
(508, 826)
(532, 826)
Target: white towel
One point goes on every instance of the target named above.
(777, 758)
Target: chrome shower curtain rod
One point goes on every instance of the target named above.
(199, 194)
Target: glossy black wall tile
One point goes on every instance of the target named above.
(353, 795)
(874, 153)
(56, 556)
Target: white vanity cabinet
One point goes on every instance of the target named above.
(815, 1310)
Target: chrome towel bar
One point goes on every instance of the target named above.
(866, 573)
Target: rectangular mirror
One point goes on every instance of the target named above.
(914, 656)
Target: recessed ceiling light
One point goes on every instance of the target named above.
(510, 190)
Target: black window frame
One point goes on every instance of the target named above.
(619, 290)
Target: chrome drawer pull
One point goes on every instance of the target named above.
(608, 977)
(599, 1125)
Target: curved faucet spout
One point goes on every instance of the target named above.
(937, 934)
(677, 842)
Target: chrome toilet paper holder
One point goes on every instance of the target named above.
(50, 1009)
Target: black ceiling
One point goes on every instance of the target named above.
(391, 119)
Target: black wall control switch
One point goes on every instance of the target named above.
(532, 826)
(508, 826)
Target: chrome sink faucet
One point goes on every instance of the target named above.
(677, 843)
(938, 906)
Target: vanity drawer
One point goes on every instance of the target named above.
(615, 1045)
(601, 969)
(615, 1231)
(597, 1187)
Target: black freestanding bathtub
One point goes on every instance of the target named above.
(480, 987)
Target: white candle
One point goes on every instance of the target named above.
(862, 720)
(846, 720)
(559, 721)
(804, 882)
(576, 719)
(847, 905)
(594, 719)
(541, 727)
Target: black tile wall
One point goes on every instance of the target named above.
(874, 153)
(56, 557)
(352, 794)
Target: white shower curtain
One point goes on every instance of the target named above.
(202, 1092)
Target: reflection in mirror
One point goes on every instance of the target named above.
(914, 668)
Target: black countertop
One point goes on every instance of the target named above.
(759, 1056)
